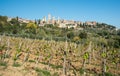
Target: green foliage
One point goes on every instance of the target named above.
(31, 25)
(49, 25)
(55, 74)
(86, 55)
(83, 35)
(16, 64)
(103, 33)
(42, 72)
(31, 60)
(56, 66)
(81, 71)
(16, 56)
(2, 54)
(111, 37)
(107, 74)
(70, 35)
(118, 32)
(31, 30)
(52, 65)
(14, 21)
(104, 55)
(3, 63)
(3, 21)
(2, 47)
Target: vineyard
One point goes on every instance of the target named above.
(32, 57)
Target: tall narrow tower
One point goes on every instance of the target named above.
(58, 21)
(45, 18)
(49, 18)
(53, 20)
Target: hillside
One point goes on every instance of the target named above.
(30, 49)
(23, 57)
(16, 27)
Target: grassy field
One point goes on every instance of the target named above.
(32, 57)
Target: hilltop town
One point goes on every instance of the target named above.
(57, 47)
(62, 23)
(54, 27)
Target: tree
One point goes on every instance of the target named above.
(31, 28)
(83, 35)
(36, 22)
(17, 18)
(3, 21)
(70, 35)
(118, 32)
(14, 21)
(31, 25)
(39, 21)
(49, 25)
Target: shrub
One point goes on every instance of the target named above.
(83, 35)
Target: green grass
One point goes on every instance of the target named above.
(31, 61)
(44, 63)
(52, 65)
(42, 72)
(3, 63)
(107, 74)
(55, 74)
(81, 70)
(16, 65)
(56, 66)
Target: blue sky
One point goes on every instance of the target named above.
(106, 11)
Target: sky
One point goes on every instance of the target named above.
(103, 11)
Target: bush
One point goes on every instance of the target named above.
(70, 35)
(83, 35)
